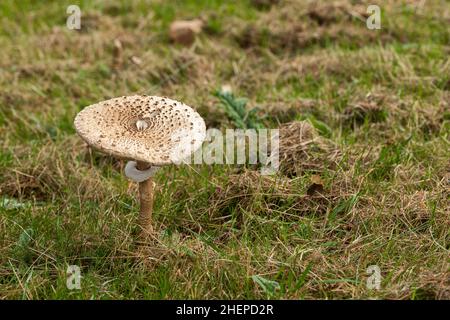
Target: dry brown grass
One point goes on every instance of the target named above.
(371, 189)
(47, 173)
(301, 148)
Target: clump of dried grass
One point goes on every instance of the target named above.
(302, 149)
(370, 109)
(436, 285)
(329, 13)
(299, 25)
(184, 65)
(54, 171)
(383, 109)
(269, 196)
(431, 120)
(241, 190)
(287, 111)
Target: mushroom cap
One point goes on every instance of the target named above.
(155, 130)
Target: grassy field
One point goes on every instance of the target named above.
(375, 101)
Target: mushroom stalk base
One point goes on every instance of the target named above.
(146, 200)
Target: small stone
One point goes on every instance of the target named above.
(184, 31)
(136, 60)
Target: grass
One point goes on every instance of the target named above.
(376, 101)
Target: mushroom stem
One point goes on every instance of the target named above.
(146, 199)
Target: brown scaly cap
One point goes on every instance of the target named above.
(151, 129)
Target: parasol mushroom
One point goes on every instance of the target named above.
(149, 130)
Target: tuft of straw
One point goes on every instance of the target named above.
(302, 149)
